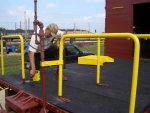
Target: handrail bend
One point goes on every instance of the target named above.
(22, 52)
(107, 35)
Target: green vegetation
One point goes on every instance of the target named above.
(12, 64)
(92, 48)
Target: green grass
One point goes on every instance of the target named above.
(12, 64)
(92, 48)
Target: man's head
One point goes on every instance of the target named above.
(51, 30)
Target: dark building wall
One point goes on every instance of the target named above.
(119, 19)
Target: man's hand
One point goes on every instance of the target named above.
(32, 72)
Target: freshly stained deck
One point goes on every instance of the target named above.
(85, 95)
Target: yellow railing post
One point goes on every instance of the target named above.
(2, 57)
(133, 89)
(98, 62)
(60, 82)
(134, 75)
(108, 35)
(22, 53)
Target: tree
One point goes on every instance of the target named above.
(2, 31)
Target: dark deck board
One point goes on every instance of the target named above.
(85, 95)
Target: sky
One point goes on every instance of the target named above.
(68, 14)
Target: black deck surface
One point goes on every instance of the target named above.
(85, 95)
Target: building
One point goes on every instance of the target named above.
(69, 31)
(18, 31)
(127, 16)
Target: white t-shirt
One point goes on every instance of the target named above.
(47, 42)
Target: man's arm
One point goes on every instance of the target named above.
(59, 35)
(32, 63)
(32, 50)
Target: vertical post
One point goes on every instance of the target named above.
(2, 56)
(22, 56)
(35, 20)
(134, 75)
(42, 69)
(22, 52)
(98, 61)
(60, 83)
(41, 35)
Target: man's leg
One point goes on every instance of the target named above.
(37, 58)
(36, 75)
(52, 53)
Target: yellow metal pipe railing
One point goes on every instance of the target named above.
(22, 53)
(107, 35)
(98, 61)
(143, 36)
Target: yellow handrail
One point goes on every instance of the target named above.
(22, 53)
(107, 35)
(143, 36)
(98, 61)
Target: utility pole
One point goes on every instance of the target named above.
(89, 25)
(20, 24)
(73, 39)
(28, 24)
(25, 23)
(15, 25)
(74, 27)
(20, 28)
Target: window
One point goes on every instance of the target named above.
(71, 50)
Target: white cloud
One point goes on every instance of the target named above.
(100, 15)
(17, 14)
(51, 5)
(20, 11)
(91, 22)
(96, 21)
(92, 18)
